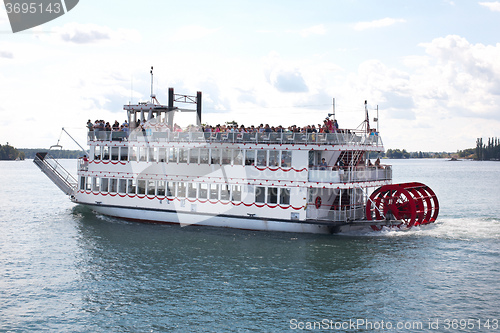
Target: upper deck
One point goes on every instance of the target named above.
(357, 138)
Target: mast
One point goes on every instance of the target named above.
(333, 109)
(367, 120)
(152, 95)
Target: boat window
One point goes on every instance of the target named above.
(142, 153)
(151, 187)
(284, 196)
(191, 190)
(204, 156)
(160, 188)
(262, 157)
(260, 194)
(105, 153)
(162, 157)
(122, 186)
(141, 186)
(249, 157)
(172, 155)
(123, 153)
(183, 155)
(104, 185)
(215, 155)
(113, 185)
(236, 193)
(203, 190)
(214, 191)
(131, 185)
(95, 184)
(114, 153)
(224, 191)
(238, 157)
(274, 157)
(272, 195)
(97, 152)
(193, 155)
(226, 156)
(170, 189)
(152, 154)
(132, 153)
(181, 190)
(83, 180)
(286, 159)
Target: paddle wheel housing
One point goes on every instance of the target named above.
(411, 203)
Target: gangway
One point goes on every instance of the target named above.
(59, 176)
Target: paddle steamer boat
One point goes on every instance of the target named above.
(273, 181)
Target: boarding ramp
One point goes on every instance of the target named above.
(59, 176)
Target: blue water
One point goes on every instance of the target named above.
(64, 268)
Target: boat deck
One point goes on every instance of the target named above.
(351, 137)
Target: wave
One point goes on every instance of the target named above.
(446, 228)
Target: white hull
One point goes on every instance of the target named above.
(245, 223)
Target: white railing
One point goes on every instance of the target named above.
(343, 214)
(356, 174)
(354, 137)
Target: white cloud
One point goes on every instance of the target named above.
(493, 6)
(385, 22)
(88, 34)
(191, 32)
(6, 54)
(314, 30)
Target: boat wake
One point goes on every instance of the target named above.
(444, 228)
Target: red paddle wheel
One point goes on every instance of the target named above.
(411, 203)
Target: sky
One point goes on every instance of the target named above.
(430, 67)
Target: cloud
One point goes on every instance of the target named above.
(493, 6)
(314, 30)
(461, 79)
(6, 54)
(89, 34)
(289, 81)
(385, 22)
(191, 32)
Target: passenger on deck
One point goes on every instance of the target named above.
(339, 165)
(90, 128)
(377, 163)
(85, 163)
(322, 165)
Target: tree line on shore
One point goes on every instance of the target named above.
(398, 154)
(487, 152)
(7, 152)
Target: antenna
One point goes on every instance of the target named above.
(152, 95)
(367, 117)
(334, 108)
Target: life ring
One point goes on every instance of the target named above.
(317, 202)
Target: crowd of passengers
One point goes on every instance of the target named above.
(329, 126)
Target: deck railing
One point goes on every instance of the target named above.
(353, 137)
(340, 213)
(351, 174)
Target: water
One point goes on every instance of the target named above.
(63, 268)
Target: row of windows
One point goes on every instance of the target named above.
(260, 157)
(161, 188)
